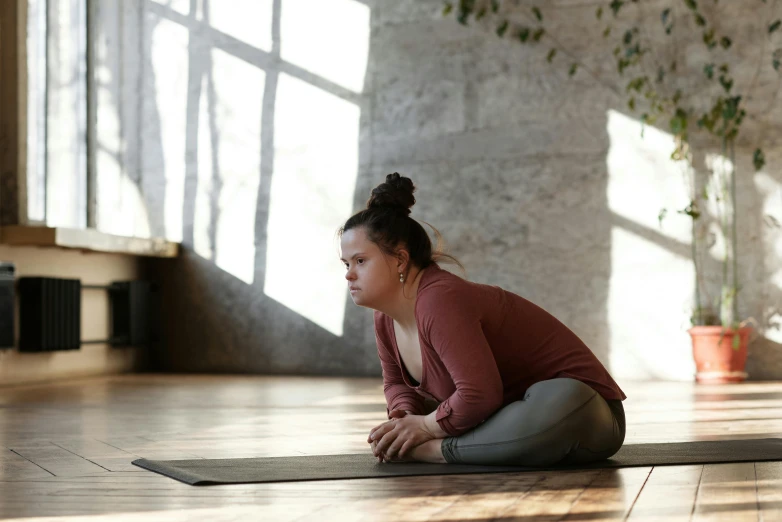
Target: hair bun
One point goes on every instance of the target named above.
(396, 194)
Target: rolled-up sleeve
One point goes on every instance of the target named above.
(399, 396)
(454, 330)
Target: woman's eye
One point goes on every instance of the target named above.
(348, 266)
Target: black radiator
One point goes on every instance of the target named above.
(6, 304)
(49, 314)
(132, 317)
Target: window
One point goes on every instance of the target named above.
(57, 112)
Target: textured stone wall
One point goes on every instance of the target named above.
(256, 142)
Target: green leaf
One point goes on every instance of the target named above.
(551, 54)
(537, 14)
(481, 13)
(708, 38)
(706, 121)
(691, 4)
(615, 6)
(664, 15)
(725, 42)
(465, 10)
(538, 33)
(495, 6)
(573, 69)
(673, 66)
(599, 13)
(668, 29)
(661, 216)
(773, 27)
(678, 123)
(631, 104)
(700, 20)
(758, 159)
(636, 84)
(726, 83)
(709, 70)
(724, 68)
(628, 37)
(691, 210)
(502, 28)
(524, 34)
(607, 31)
(731, 107)
(776, 59)
(617, 50)
(447, 8)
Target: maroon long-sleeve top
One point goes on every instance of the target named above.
(481, 348)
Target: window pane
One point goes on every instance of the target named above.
(66, 165)
(36, 110)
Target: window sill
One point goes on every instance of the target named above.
(86, 239)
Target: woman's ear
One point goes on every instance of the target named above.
(403, 259)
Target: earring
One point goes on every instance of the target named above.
(401, 278)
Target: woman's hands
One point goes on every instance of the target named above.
(398, 436)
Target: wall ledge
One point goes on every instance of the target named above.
(86, 239)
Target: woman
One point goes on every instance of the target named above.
(473, 373)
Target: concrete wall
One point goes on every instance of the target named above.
(251, 133)
(91, 359)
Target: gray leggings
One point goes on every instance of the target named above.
(559, 421)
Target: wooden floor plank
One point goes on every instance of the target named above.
(100, 453)
(768, 477)
(15, 467)
(728, 492)
(56, 460)
(142, 447)
(610, 496)
(668, 494)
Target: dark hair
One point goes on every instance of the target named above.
(387, 223)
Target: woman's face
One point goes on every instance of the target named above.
(367, 270)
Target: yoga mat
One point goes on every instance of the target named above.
(202, 472)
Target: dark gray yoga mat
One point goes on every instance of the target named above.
(202, 472)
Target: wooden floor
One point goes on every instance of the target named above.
(67, 448)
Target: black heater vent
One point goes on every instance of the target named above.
(6, 304)
(49, 314)
(132, 303)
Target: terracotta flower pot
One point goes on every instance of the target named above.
(715, 359)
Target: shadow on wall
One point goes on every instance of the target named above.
(252, 135)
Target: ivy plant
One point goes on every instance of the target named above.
(652, 90)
